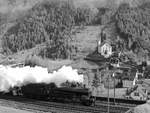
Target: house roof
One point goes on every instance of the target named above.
(95, 57)
(146, 84)
(132, 89)
(139, 88)
(147, 81)
(105, 42)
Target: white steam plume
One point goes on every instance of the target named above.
(10, 77)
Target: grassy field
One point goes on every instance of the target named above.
(87, 39)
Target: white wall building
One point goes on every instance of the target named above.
(105, 49)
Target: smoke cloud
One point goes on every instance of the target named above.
(18, 76)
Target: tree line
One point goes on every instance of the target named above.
(50, 23)
(133, 24)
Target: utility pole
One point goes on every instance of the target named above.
(114, 87)
(108, 94)
(108, 90)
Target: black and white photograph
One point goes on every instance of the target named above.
(74, 56)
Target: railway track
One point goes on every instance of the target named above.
(54, 107)
(125, 102)
(117, 104)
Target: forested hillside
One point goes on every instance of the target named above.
(133, 25)
(40, 26)
(50, 23)
(53, 24)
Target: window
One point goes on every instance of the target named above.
(148, 93)
(136, 94)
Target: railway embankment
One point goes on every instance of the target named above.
(53, 107)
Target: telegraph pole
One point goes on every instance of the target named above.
(108, 89)
(114, 87)
(108, 93)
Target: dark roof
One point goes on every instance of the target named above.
(132, 89)
(125, 66)
(105, 42)
(95, 57)
(146, 81)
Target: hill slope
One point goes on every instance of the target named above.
(86, 40)
(90, 40)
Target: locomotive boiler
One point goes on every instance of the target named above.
(51, 92)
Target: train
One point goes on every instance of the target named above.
(50, 92)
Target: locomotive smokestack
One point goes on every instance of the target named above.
(10, 77)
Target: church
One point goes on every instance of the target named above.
(104, 46)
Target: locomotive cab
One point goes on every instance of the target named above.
(88, 99)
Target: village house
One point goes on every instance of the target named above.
(141, 91)
(131, 77)
(139, 94)
(132, 81)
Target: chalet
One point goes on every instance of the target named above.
(141, 91)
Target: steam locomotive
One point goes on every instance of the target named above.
(51, 92)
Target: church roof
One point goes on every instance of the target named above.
(105, 42)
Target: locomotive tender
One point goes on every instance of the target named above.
(50, 92)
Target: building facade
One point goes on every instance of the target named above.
(105, 49)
